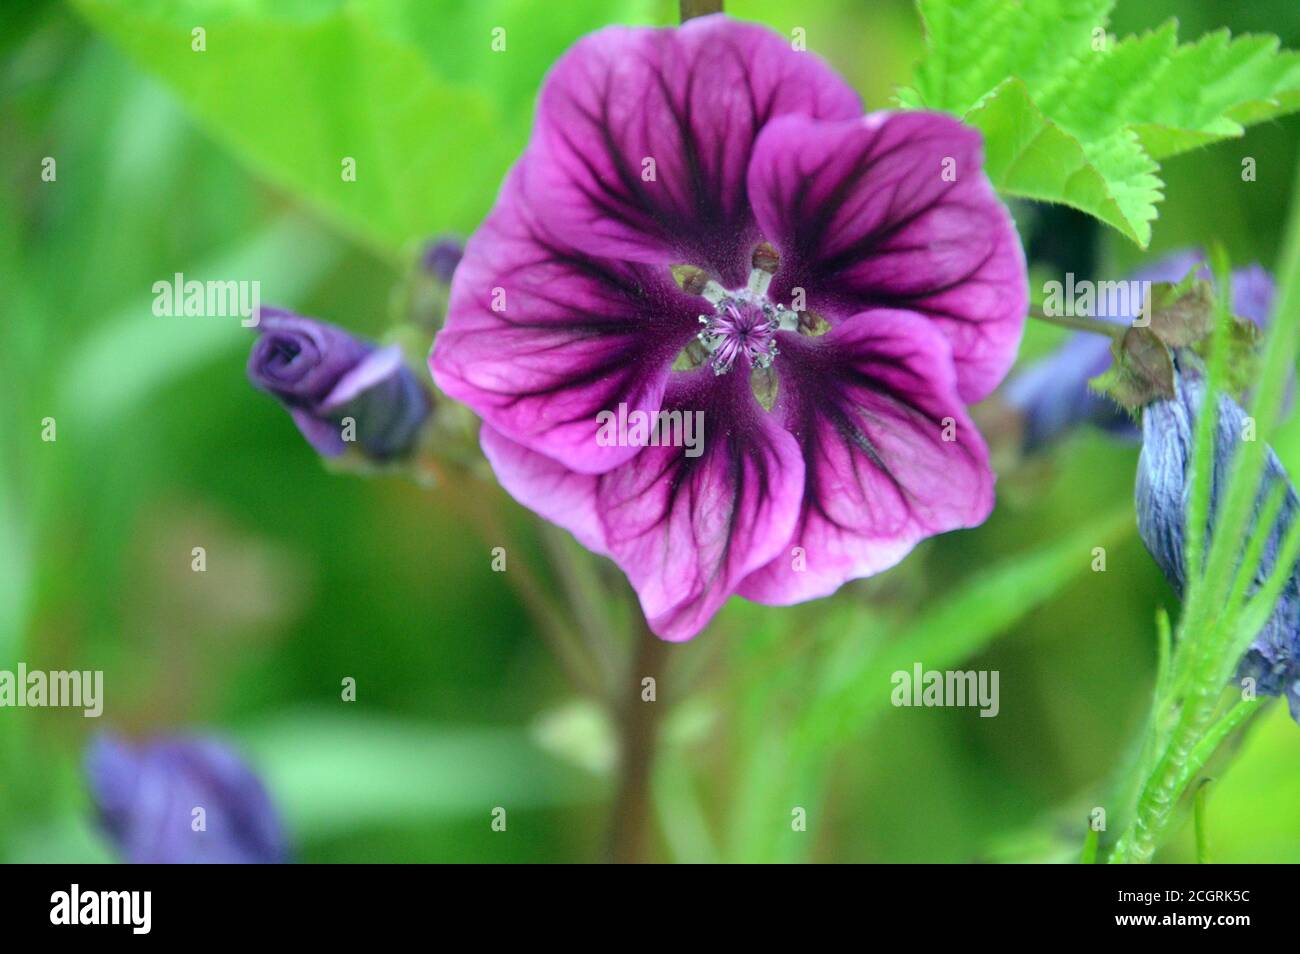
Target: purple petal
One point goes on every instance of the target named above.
(570, 336)
(324, 435)
(387, 403)
(864, 217)
(687, 530)
(366, 374)
(548, 488)
(692, 99)
(890, 454)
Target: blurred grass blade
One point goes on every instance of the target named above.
(332, 773)
(958, 626)
(132, 357)
(1090, 841)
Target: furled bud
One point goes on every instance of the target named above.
(338, 388)
(1163, 493)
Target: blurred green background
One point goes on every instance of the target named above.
(230, 167)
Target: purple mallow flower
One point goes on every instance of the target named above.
(324, 375)
(178, 800)
(1052, 394)
(704, 222)
(1163, 494)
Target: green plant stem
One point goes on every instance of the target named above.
(638, 724)
(699, 8)
(1096, 326)
(555, 627)
(1202, 823)
(587, 599)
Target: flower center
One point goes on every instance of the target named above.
(742, 323)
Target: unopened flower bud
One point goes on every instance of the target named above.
(339, 388)
(1163, 493)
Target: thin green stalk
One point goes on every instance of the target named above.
(1194, 630)
(1201, 753)
(1096, 326)
(1268, 515)
(699, 8)
(1260, 606)
(1202, 823)
(588, 600)
(1090, 841)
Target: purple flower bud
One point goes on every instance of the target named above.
(1163, 493)
(323, 375)
(1052, 393)
(179, 800)
(441, 256)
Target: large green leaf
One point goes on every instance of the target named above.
(412, 91)
(1072, 115)
(1027, 154)
(133, 356)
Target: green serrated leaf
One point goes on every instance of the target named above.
(1027, 154)
(1071, 115)
(974, 45)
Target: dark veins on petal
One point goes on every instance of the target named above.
(823, 389)
(639, 355)
(712, 232)
(736, 454)
(823, 274)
